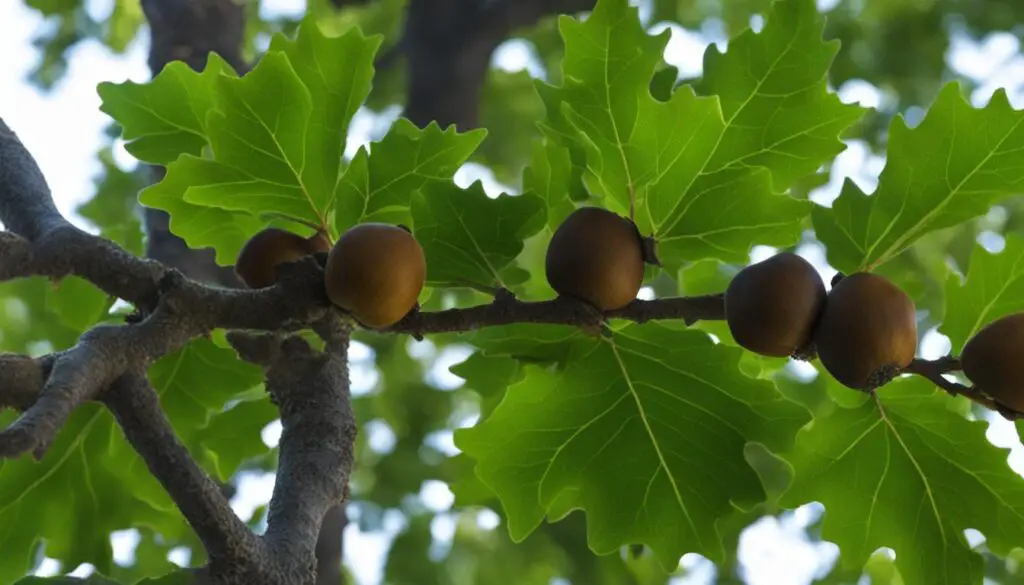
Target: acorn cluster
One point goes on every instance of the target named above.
(863, 330)
(374, 271)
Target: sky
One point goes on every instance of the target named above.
(63, 129)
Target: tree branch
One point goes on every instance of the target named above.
(26, 207)
(507, 310)
(311, 388)
(231, 546)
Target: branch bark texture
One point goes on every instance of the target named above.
(448, 45)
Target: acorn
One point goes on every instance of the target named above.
(867, 332)
(993, 360)
(376, 272)
(771, 307)
(596, 256)
(265, 250)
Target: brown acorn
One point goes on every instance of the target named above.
(867, 332)
(772, 306)
(596, 256)
(376, 272)
(270, 247)
(993, 360)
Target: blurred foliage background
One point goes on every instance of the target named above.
(897, 53)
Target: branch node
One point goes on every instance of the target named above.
(256, 348)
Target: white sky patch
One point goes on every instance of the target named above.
(516, 55)
(270, 9)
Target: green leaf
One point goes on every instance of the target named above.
(181, 577)
(165, 117)
(528, 342)
(994, 288)
(201, 227)
(550, 176)
(607, 69)
(78, 303)
(114, 208)
(700, 170)
(509, 110)
(123, 24)
(195, 384)
(235, 435)
(79, 493)
(644, 431)
(258, 135)
(664, 83)
(951, 168)
(910, 474)
(772, 87)
(337, 72)
(276, 136)
(91, 482)
(379, 187)
(470, 239)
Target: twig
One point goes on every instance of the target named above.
(933, 371)
(507, 310)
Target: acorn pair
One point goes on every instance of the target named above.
(375, 271)
(864, 331)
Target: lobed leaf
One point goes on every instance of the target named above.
(337, 72)
(200, 226)
(380, 187)
(165, 117)
(909, 473)
(645, 432)
(472, 240)
(91, 482)
(195, 385)
(773, 91)
(952, 167)
(549, 176)
(701, 172)
(994, 288)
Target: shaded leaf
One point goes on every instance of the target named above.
(379, 187)
(470, 239)
(550, 177)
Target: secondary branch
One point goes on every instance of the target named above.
(311, 389)
(231, 546)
